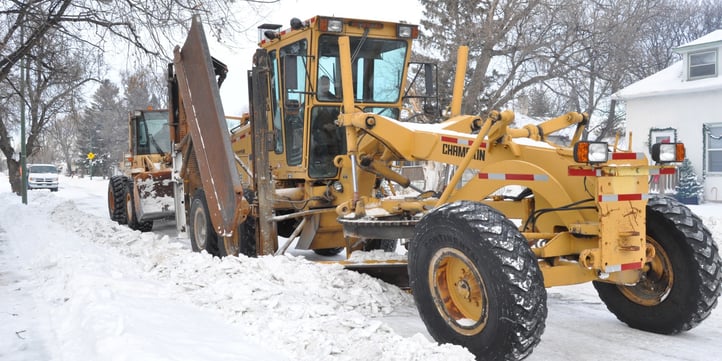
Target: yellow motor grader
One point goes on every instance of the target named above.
(312, 161)
(144, 192)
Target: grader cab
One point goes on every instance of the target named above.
(324, 136)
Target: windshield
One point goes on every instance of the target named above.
(378, 65)
(42, 169)
(152, 133)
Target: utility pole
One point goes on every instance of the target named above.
(23, 159)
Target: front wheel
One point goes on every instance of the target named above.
(680, 286)
(244, 238)
(476, 282)
(202, 234)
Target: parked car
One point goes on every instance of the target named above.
(43, 176)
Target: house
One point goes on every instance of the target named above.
(683, 103)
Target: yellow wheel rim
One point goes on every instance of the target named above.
(458, 291)
(656, 281)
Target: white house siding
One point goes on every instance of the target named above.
(686, 113)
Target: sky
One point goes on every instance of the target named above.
(76, 286)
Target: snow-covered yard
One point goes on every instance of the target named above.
(76, 286)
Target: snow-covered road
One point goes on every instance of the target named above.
(76, 286)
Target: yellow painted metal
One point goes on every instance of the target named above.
(565, 273)
(458, 92)
(586, 229)
(538, 132)
(563, 244)
(459, 291)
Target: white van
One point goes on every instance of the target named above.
(43, 176)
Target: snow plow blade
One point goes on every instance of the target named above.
(201, 102)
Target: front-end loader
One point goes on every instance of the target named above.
(144, 192)
(313, 165)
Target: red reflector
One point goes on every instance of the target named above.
(628, 266)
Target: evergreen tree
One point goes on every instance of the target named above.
(102, 123)
(688, 186)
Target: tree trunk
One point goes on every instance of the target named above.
(16, 183)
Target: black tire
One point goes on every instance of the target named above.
(116, 199)
(680, 287)
(328, 252)
(202, 234)
(132, 218)
(387, 245)
(247, 230)
(476, 282)
(243, 240)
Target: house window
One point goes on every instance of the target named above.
(661, 135)
(703, 64)
(713, 142)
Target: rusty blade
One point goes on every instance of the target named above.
(209, 133)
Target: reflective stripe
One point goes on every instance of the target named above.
(623, 267)
(622, 197)
(662, 171)
(513, 176)
(626, 156)
(233, 140)
(585, 172)
(464, 142)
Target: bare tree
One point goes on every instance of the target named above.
(27, 27)
(53, 73)
(619, 42)
(145, 25)
(62, 134)
(513, 44)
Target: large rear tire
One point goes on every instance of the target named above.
(202, 234)
(476, 282)
(680, 286)
(116, 199)
(132, 218)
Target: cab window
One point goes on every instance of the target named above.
(294, 60)
(377, 66)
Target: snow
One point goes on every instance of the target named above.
(76, 286)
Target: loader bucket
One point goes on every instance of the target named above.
(155, 192)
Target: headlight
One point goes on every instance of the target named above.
(591, 152)
(668, 152)
(330, 24)
(407, 31)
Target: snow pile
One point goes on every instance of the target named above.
(92, 271)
